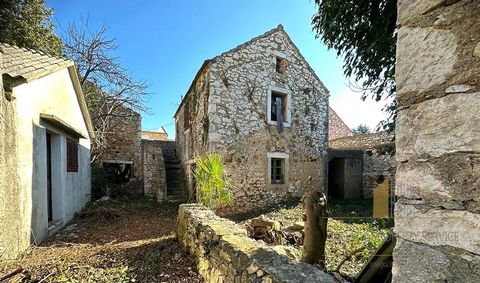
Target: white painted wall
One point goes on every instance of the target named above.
(55, 95)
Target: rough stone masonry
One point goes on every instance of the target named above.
(228, 110)
(437, 216)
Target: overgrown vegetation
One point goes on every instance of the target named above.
(107, 181)
(27, 23)
(352, 233)
(213, 186)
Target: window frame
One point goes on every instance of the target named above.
(284, 157)
(288, 108)
(72, 160)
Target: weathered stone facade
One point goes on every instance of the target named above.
(336, 127)
(154, 175)
(227, 110)
(123, 143)
(437, 216)
(224, 252)
(375, 150)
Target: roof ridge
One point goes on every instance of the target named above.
(240, 46)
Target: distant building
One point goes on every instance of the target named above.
(45, 131)
(159, 134)
(357, 163)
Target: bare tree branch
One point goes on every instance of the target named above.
(113, 96)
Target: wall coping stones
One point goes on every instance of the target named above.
(225, 253)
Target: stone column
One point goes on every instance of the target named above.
(437, 215)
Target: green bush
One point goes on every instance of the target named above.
(213, 186)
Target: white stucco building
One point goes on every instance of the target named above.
(44, 149)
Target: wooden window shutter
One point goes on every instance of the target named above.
(72, 156)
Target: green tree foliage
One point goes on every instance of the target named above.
(213, 186)
(361, 129)
(364, 33)
(27, 23)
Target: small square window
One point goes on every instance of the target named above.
(278, 107)
(280, 65)
(72, 156)
(277, 174)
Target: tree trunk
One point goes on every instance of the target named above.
(316, 218)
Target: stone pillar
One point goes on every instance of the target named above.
(437, 215)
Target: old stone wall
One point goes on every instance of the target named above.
(12, 240)
(437, 216)
(169, 150)
(154, 175)
(192, 122)
(239, 126)
(336, 127)
(124, 142)
(224, 252)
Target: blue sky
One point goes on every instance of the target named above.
(165, 42)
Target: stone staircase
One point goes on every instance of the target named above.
(176, 182)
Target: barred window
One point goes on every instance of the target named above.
(72, 156)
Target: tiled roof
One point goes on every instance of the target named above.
(362, 141)
(30, 64)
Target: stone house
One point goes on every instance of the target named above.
(357, 163)
(159, 134)
(44, 149)
(265, 111)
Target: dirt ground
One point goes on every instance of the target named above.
(113, 241)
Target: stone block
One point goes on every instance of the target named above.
(415, 262)
(439, 126)
(460, 229)
(448, 181)
(425, 59)
(411, 8)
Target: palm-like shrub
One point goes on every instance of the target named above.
(213, 186)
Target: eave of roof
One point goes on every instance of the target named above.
(22, 65)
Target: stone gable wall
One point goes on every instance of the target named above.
(437, 215)
(336, 127)
(224, 252)
(238, 128)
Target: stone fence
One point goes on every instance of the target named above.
(224, 252)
